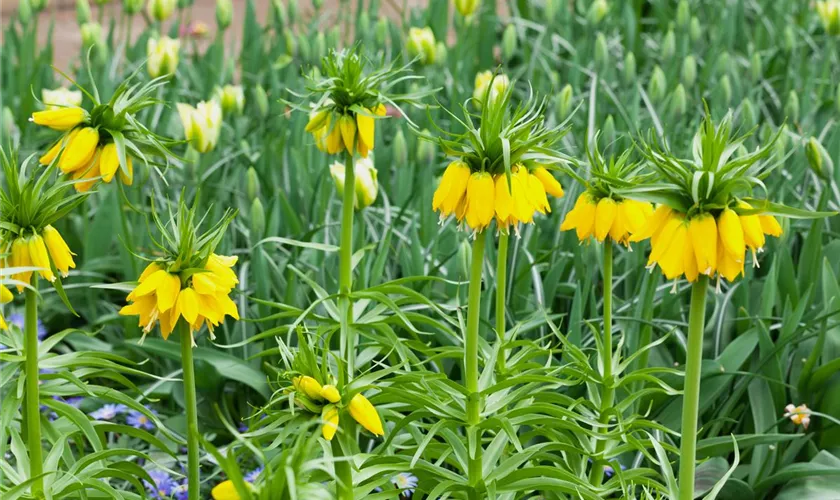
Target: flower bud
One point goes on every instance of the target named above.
(425, 150)
(257, 220)
(320, 48)
(629, 72)
(317, 4)
(657, 85)
(366, 181)
(441, 53)
(602, 53)
(748, 117)
(597, 11)
(695, 31)
(550, 10)
(725, 89)
(608, 130)
(683, 14)
(92, 35)
(303, 47)
(132, 7)
(279, 11)
(466, 7)
(82, 12)
(789, 37)
(162, 56)
(509, 42)
(224, 13)
(486, 84)
(38, 5)
(688, 74)
(669, 45)
(363, 23)
(160, 10)
(421, 44)
(678, 101)
(202, 124)
(252, 184)
(382, 29)
(261, 99)
(400, 149)
(292, 12)
(829, 13)
(365, 414)
(563, 103)
(330, 393)
(791, 110)
(333, 37)
(24, 11)
(464, 257)
(755, 66)
(819, 160)
(723, 64)
(232, 99)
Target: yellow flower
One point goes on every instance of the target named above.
(61, 118)
(482, 81)
(21, 258)
(452, 188)
(160, 10)
(829, 13)
(40, 258)
(365, 414)
(799, 415)
(309, 386)
(60, 98)
(551, 185)
(329, 415)
(366, 125)
(581, 217)
(480, 207)
(732, 234)
(50, 155)
(5, 298)
(605, 215)
(330, 393)
(60, 253)
(704, 237)
(770, 225)
(466, 7)
(225, 491)
(617, 219)
(89, 173)
(79, 150)
(109, 161)
(232, 99)
(347, 126)
(202, 299)
(421, 43)
(366, 182)
(753, 234)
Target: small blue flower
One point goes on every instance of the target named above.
(163, 487)
(138, 420)
(406, 482)
(18, 320)
(252, 476)
(243, 427)
(180, 492)
(609, 471)
(108, 412)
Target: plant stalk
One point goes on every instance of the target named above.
(501, 288)
(344, 475)
(193, 477)
(691, 398)
(471, 359)
(345, 270)
(33, 397)
(608, 395)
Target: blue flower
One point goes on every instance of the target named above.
(609, 471)
(252, 476)
(18, 320)
(406, 482)
(180, 492)
(108, 412)
(138, 420)
(163, 487)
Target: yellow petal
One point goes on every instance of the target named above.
(536, 193)
(80, 150)
(604, 217)
(452, 188)
(330, 417)
(225, 491)
(673, 260)
(127, 178)
(770, 225)
(732, 234)
(503, 200)
(167, 292)
(703, 232)
(635, 214)
(661, 244)
(552, 186)
(60, 118)
(348, 131)
(334, 144)
(690, 262)
(5, 295)
(654, 223)
(50, 155)
(480, 200)
(40, 258)
(21, 258)
(203, 283)
(751, 224)
(366, 125)
(728, 267)
(618, 230)
(330, 393)
(187, 305)
(109, 162)
(365, 414)
(60, 253)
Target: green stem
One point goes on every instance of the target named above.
(608, 395)
(33, 397)
(345, 271)
(192, 410)
(691, 398)
(129, 241)
(471, 357)
(501, 288)
(344, 475)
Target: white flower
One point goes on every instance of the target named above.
(163, 56)
(202, 124)
(232, 98)
(61, 97)
(483, 80)
(799, 415)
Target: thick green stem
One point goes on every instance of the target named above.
(501, 287)
(127, 238)
(345, 270)
(471, 357)
(344, 475)
(691, 398)
(33, 398)
(608, 394)
(192, 410)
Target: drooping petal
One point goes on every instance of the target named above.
(732, 234)
(604, 217)
(480, 200)
(770, 225)
(552, 186)
(702, 231)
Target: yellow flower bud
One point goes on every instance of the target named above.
(160, 10)
(330, 417)
(202, 124)
(61, 98)
(60, 118)
(421, 43)
(365, 414)
(79, 150)
(39, 256)
(330, 393)
(162, 56)
(308, 386)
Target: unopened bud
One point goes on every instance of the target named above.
(257, 220)
(24, 11)
(38, 5)
(695, 31)
(262, 100)
(819, 160)
(466, 7)
(132, 7)
(441, 53)
(224, 13)
(317, 4)
(748, 117)
(82, 11)
(421, 44)
(608, 131)
(563, 102)
(689, 71)
(291, 43)
(464, 257)
(281, 18)
(755, 66)
(629, 72)
(160, 10)
(363, 23)
(657, 85)
(252, 184)
(400, 149)
(550, 10)
(678, 101)
(425, 149)
(597, 11)
(683, 14)
(602, 54)
(509, 42)
(382, 29)
(725, 89)
(669, 45)
(292, 11)
(722, 65)
(789, 38)
(791, 110)
(304, 49)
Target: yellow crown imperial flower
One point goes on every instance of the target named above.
(308, 386)
(79, 150)
(607, 217)
(329, 415)
(59, 252)
(60, 119)
(46, 251)
(365, 414)
(5, 298)
(40, 258)
(330, 393)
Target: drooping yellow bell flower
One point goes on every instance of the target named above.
(452, 188)
(550, 184)
(61, 119)
(620, 220)
(40, 258)
(5, 298)
(329, 415)
(480, 206)
(79, 149)
(703, 232)
(90, 174)
(365, 414)
(60, 253)
(20, 258)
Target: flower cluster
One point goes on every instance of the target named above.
(334, 133)
(618, 219)
(799, 415)
(200, 296)
(705, 243)
(477, 198)
(327, 401)
(44, 249)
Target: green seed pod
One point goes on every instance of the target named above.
(261, 99)
(608, 131)
(382, 29)
(425, 150)
(725, 89)
(320, 48)
(550, 11)
(688, 75)
(819, 160)
(224, 13)
(257, 220)
(509, 43)
(755, 66)
(597, 11)
(291, 43)
(252, 184)
(563, 102)
(400, 148)
(695, 31)
(669, 45)
(602, 54)
(441, 54)
(657, 85)
(464, 257)
(748, 116)
(678, 101)
(683, 14)
(292, 11)
(792, 107)
(24, 12)
(629, 68)
(82, 12)
(304, 49)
